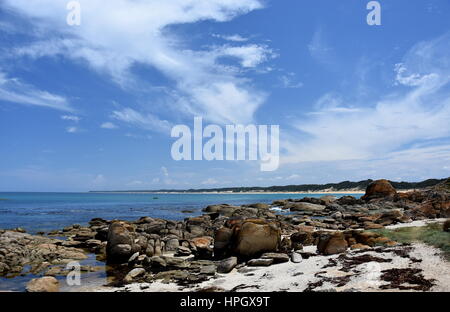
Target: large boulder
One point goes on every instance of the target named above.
(303, 206)
(330, 244)
(253, 239)
(120, 246)
(44, 284)
(379, 189)
(222, 241)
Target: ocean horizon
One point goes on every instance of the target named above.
(46, 211)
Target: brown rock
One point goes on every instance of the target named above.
(44, 284)
(446, 226)
(120, 242)
(379, 189)
(360, 246)
(253, 239)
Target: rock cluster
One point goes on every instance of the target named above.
(225, 237)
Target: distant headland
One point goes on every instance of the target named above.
(341, 187)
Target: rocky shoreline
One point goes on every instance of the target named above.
(329, 233)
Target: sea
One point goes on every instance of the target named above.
(44, 212)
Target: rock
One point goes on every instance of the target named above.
(259, 206)
(390, 217)
(349, 200)
(120, 243)
(379, 189)
(222, 241)
(296, 257)
(226, 265)
(360, 246)
(304, 238)
(330, 244)
(260, 262)
(134, 257)
(43, 284)
(372, 226)
(202, 247)
(172, 244)
(183, 251)
(276, 257)
(133, 274)
(253, 239)
(176, 263)
(302, 206)
(83, 236)
(366, 238)
(173, 275)
(446, 226)
(327, 199)
(208, 270)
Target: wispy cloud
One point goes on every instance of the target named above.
(234, 38)
(142, 36)
(363, 131)
(71, 118)
(289, 81)
(108, 125)
(13, 90)
(146, 122)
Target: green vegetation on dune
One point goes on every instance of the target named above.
(431, 234)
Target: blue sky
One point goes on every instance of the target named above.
(91, 106)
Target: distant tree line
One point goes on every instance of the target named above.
(342, 186)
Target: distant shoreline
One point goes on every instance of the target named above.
(233, 193)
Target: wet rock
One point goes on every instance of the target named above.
(44, 284)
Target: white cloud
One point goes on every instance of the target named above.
(319, 48)
(114, 37)
(71, 118)
(365, 131)
(288, 81)
(13, 90)
(250, 55)
(72, 129)
(234, 38)
(147, 121)
(108, 125)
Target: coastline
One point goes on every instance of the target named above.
(235, 193)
